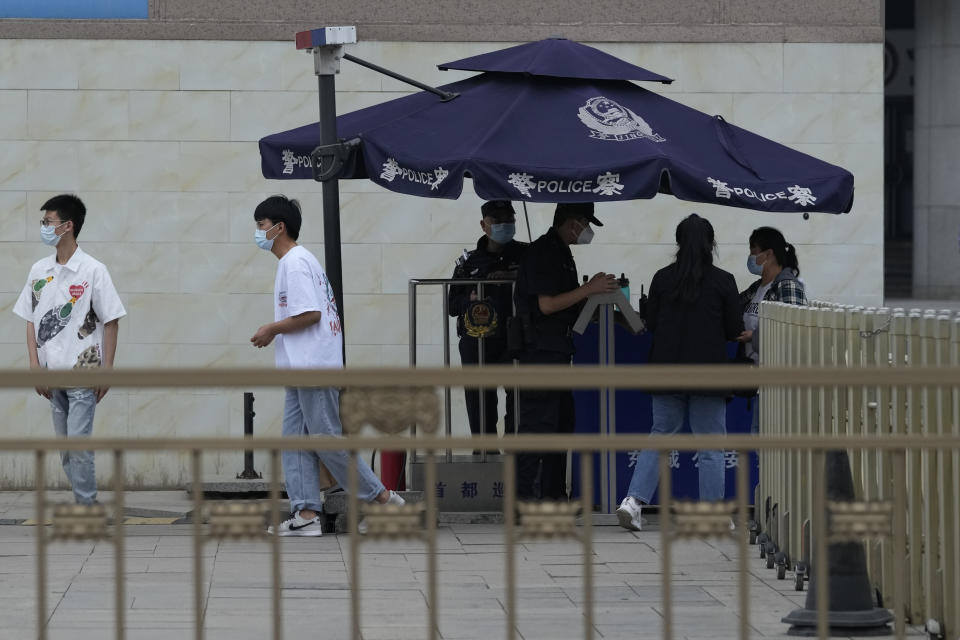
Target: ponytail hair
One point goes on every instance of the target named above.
(764, 238)
(695, 247)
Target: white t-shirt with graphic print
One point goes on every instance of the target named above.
(68, 305)
(751, 318)
(302, 286)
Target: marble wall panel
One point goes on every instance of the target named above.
(13, 106)
(401, 262)
(145, 64)
(39, 64)
(383, 218)
(218, 166)
(128, 166)
(15, 261)
(726, 68)
(78, 115)
(362, 268)
(144, 267)
(215, 268)
(231, 65)
(375, 319)
(255, 114)
(40, 166)
(833, 68)
(14, 220)
(855, 116)
(786, 117)
(180, 115)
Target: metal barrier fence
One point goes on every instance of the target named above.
(413, 287)
(394, 399)
(925, 573)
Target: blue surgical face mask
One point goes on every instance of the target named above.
(753, 267)
(260, 237)
(49, 235)
(502, 233)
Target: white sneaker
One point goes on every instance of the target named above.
(297, 526)
(629, 514)
(394, 498)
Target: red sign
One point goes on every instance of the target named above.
(76, 290)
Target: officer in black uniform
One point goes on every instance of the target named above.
(549, 298)
(497, 256)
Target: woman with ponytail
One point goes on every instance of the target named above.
(693, 312)
(775, 261)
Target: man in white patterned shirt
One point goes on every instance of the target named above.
(72, 311)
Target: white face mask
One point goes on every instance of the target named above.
(585, 236)
(48, 233)
(260, 237)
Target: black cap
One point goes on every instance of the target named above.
(497, 209)
(579, 210)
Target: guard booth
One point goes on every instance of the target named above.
(473, 483)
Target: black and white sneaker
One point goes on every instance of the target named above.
(297, 526)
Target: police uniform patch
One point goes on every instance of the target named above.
(480, 319)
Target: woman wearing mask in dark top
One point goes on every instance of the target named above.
(775, 261)
(693, 311)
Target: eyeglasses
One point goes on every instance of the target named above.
(46, 223)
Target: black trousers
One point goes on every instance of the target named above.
(544, 411)
(494, 352)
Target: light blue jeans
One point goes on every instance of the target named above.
(316, 412)
(708, 416)
(73, 411)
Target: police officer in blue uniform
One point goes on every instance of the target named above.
(497, 256)
(548, 299)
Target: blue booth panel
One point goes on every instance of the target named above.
(633, 415)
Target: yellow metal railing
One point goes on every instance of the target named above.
(392, 400)
(842, 339)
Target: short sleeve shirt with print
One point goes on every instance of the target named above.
(68, 305)
(302, 286)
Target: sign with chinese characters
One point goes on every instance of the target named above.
(465, 485)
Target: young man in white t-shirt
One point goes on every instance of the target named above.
(308, 335)
(72, 311)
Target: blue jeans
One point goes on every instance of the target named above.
(708, 416)
(316, 412)
(73, 411)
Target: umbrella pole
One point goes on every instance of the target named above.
(326, 66)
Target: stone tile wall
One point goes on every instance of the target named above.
(159, 138)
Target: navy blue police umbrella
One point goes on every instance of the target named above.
(557, 121)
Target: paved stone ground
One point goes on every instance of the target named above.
(316, 593)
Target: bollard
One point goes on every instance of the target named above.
(248, 472)
(851, 608)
